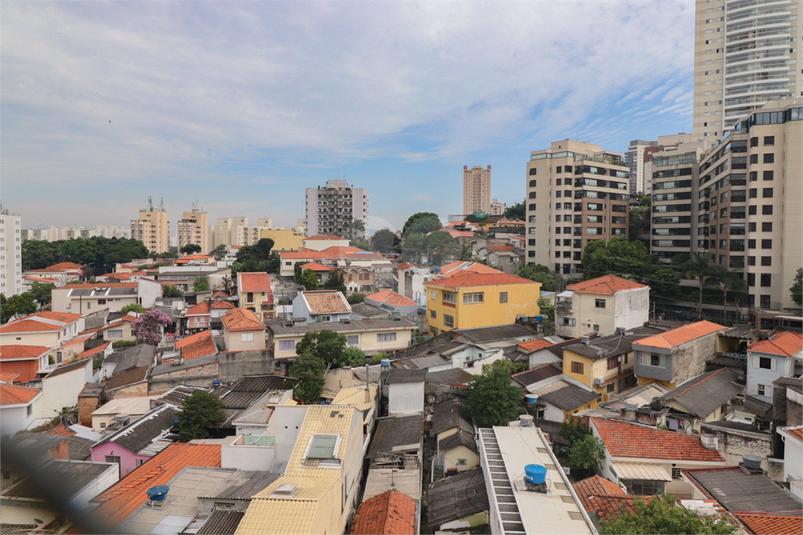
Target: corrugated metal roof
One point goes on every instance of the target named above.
(250, 484)
(221, 522)
(652, 472)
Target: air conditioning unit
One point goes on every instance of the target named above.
(598, 381)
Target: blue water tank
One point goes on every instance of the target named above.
(539, 318)
(535, 473)
(385, 363)
(216, 383)
(158, 493)
(531, 399)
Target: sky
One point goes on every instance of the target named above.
(240, 106)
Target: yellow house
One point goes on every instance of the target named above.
(256, 295)
(469, 300)
(283, 239)
(605, 364)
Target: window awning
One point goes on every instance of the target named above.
(646, 471)
(566, 293)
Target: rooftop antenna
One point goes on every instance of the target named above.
(162, 205)
(150, 203)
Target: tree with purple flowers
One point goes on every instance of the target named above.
(148, 326)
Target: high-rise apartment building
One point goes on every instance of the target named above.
(637, 154)
(10, 253)
(497, 208)
(476, 190)
(576, 193)
(746, 53)
(193, 228)
(236, 231)
(328, 208)
(152, 228)
(746, 207)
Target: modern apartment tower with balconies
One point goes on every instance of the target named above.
(152, 228)
(576, 193)
(476, 190)
(193, 228)
(328, 208)
(746, 53)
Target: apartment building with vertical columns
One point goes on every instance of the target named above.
(329, 207)
(193, 228)
(576, 193)
(152, 228)
(10, 253)
(476, 190)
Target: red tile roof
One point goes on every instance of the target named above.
(8, 377)
(20, 352)
(796, 432)
(462, 265)
(680, 335)
(61, 429)
(406, 265)
(254, 282)
(93, 351)
(785, 343)
(500, 248)
(768, 523)
(535, 345)
(392, 298)
(330, 252)
(606, 285)
(595, 486)
(201, 309)
(222, 305)
(119, 501)
(324, 237)
(315, 266)
(462, 280)
(389, 513)
(15, 395)
(220, 294)
(608, 506)
(28, 326)
(457, 233)
(41, 279)
(242, 319)
(66, 265)
(63, 317)
(102, 285)
(188, 258)
(197, 345)
(326, 302)
(630, 440)
(78, 339)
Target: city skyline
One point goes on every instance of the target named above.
(244, 106)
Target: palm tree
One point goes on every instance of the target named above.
(699, 267)
(351, 227)
(728, 281)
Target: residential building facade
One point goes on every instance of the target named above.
(745, 54)
(193, 228)
(10, 253)
(636, 156)
(768, 360)
(236, 231)
(576, 193)
(152, 228)
(476, 190)
(329, 207)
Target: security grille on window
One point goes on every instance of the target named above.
(448, 297)
(448, 320)
(503, 297)
(676, 473)
(577, 367)
(386, 337)
(599, 303)
(475, 297)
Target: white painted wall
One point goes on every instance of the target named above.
(62, 391)
(148, 291)
(14, 418)
(405, 398)
(249, 457)
(285, 424)
(793, 464)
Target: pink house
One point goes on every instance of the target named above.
(136, 442)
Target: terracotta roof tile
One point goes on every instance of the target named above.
(406, 265)
(28, 326)
(254, 282)
(785, 343)
(220, 294)
(197, 345)
(330, 252)
(61, 429)
(119, 501)
(612, 506)
(775, 524)
(595, 486)
(462, 265)
(241, 319)
(500, 248)
(389, 297)
(630, 440)
(20, 352)
(8, 377)
(63, 317)
(606, 285)
(102, 285)
(222, 305)
(389, 513)
(78, 339)
(93, 351)
(201, 309)
(463, 280)
(316, 266)
(457, 233)
(680, 335)
(66, 265)
(41, 279)
(535, 345)
(318, 237)
(15, 395)
(326, 302)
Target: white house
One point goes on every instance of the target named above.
(793, 458)
(768, 360)
(60, 388)
(321, 305)
(602, 305)
(405, 391)
(16, 408)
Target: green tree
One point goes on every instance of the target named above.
(664, 282)
(422, 223)
(257, 258)
(43, 293)
(548, 312)
(309, 370)
(132, 307)
(662, 515)
(516, 211)
(190, 248)
(16, 305)
(379, 356)
(729, 283)
(587, 454)
(441, 247)
(200, 413)
(355, 298)
(477, 218)
(698, 266)
(335, 281)
(797, 288)
(201, 284)
(492, 400)
(619, 256)
(171, 291)
(539, 273)
(574, 430)
(326, 345)
(383, 241)
(413, 246)
(352, 228)
(309, 280)
(352, 356)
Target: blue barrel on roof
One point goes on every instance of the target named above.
(158, 493)
(535, 473)
(216, 383)
(539, 318)
(531, 399)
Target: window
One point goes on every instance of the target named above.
(448, 297)
(765, 363)
(248, 337)
(766, 280)
(533, 172)
(595, 327)
(448, 320)
(570, 322)
(753, 176)
(559, 169)
(752, 193)
(766, 209)
(140, 462)
(577, 367)
(353, 339)
(322, 450)
(433, 314)
(532, 183)
(613, 362)
(768, 175)
(676, 473)
(754, 142)
(434, 294)
(765, 261)
(752, 210)
(461, 462)
(475, 297)
(643, 487)
(767, 193)
(766, 227)
(754, 158)
(761, 390)
(503, 297)
(651, 359)
(287, 345)
(103, 425)
(532, 195)
(599, 303)
(29, 410)
(769, 140)
(390, 337)
(249, 297)
(769, 158)
(112, 459)
(766, 244)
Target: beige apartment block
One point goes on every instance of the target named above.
(10, 253)
(497, 208)
(193, 228)
(746, 53)
(576, 193)
(152, 228)
(476, 190)
(328, 209)
(236, 231)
